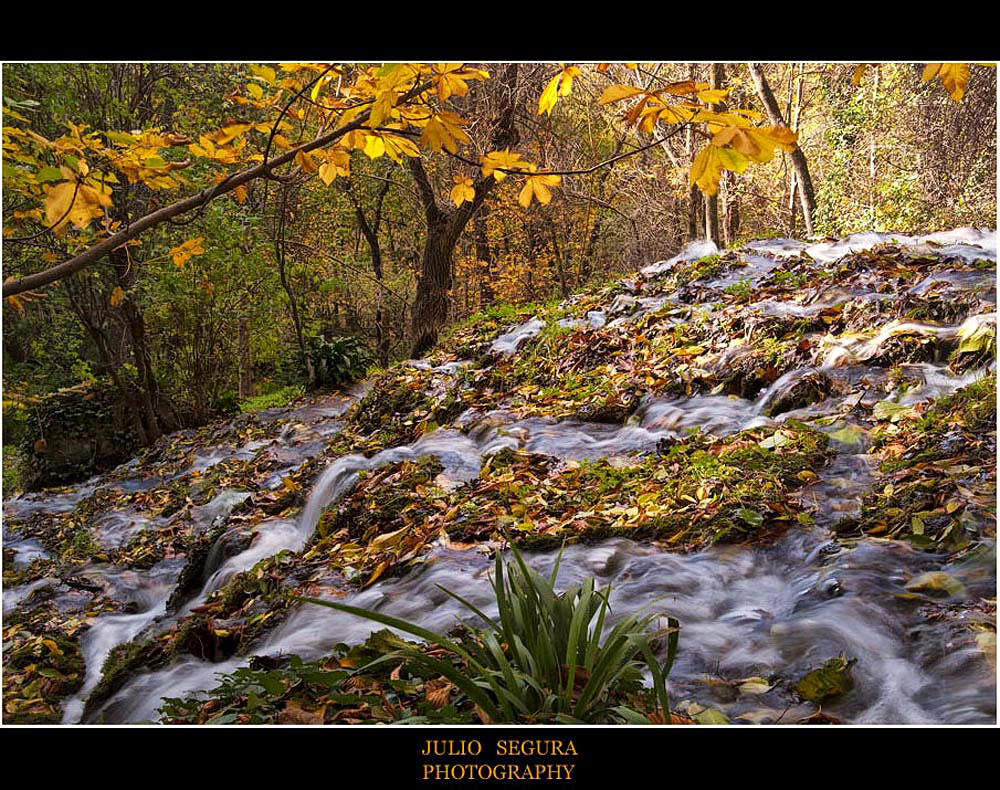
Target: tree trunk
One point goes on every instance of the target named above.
(430, 307)
(445, 226)
(279, 253)
(371, 231)
(717, 76)
(805, 187)
(125, 272)
(696, 213)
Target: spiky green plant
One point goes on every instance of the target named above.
(545, 657)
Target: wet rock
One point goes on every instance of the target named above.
(195, 570)
(907, 347)
(810, 388)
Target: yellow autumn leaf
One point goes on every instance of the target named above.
(738, 139)
(451, 78)
(559, 85)
(305, 160)
(382, 107)
(954, 77)
(713, 96)
(537, 186)
(615, 93)
(707, 169)
(397, 147)
(548, 98)
(771, 138)
(494, 160)
(444, 129)
(183, 253)
(733, 160)
(683, 88)
(338, 163)
(68, 203)
(264, 73)
(16, 302)
(117, 296)
(720, 120)
(374, 147)
(462, 191)
(229, 133)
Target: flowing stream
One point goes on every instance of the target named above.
(771, 612)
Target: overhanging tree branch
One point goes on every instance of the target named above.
(19, 284)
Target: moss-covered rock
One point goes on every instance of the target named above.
(938, 487)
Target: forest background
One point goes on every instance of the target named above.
(314, 276)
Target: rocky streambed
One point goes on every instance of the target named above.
(790, 448)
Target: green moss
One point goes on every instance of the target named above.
(122, 663)
(701, 491)
(272, 400)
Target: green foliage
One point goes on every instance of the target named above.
(545, 658)
(226, 402)
(256, 696)
(742, 290)
(338, 361)
(272, 400)
(11, 470)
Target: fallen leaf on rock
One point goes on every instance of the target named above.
(830, 680)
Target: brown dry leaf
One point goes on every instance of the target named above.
(438, 693)
(483, 716)
(293, 714)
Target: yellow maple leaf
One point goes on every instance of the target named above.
(954, 77)
(462, 191)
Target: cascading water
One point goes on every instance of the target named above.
(772, 612)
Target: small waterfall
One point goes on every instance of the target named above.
(775, 611)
